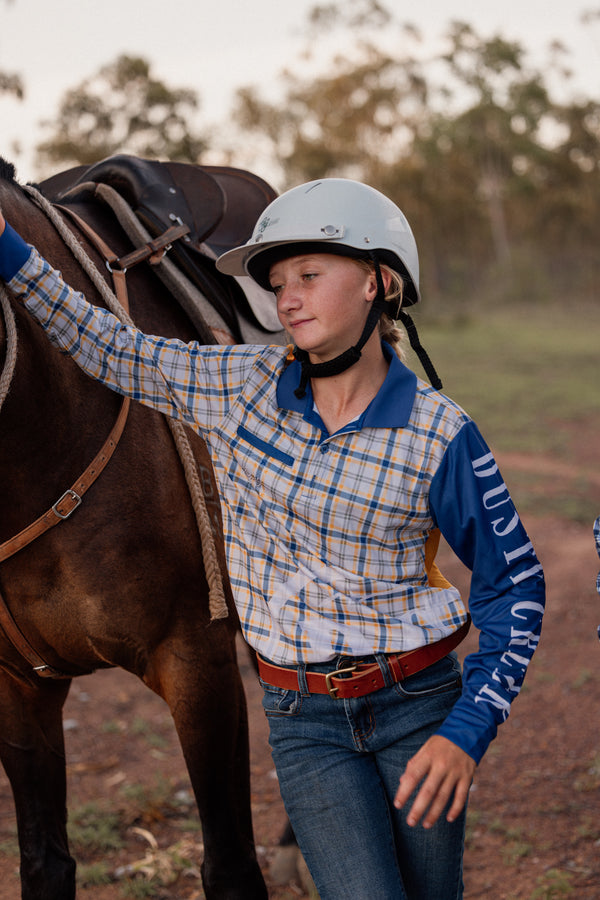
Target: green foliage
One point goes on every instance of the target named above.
(553, 884)
(519, 372)
(10, 847)
(141, 890)
(94, 828)
(498, 178)
(149, 799)
(589, 782)
(93, 874)
(122, 109)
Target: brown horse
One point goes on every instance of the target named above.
(118, 583)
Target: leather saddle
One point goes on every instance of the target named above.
(218, 204)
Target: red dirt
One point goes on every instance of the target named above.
(534, 820)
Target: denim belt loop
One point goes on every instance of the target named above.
(302, 684)
(381, 660)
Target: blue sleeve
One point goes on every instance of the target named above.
(473, 509)
(14, 253)
(597, 539)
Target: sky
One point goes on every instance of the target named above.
(216, 46)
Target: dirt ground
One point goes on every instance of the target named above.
(534, 820)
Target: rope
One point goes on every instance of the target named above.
(11, 344)
(217, 601)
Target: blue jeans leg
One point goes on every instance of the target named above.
(339, 763)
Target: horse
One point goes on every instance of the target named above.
(120, 582)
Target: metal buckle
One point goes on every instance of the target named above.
(114, 267)
(329, 675)
(74, 496)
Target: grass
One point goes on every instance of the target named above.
(553, 884)
(528, 377)
(96, 831)
(93, 874)
(93, 828)
(10, 847)
(520, 374)
(155, 800)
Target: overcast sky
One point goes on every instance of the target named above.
(215, 46)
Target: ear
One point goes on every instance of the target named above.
(372, 284)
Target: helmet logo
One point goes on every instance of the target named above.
(260, 229)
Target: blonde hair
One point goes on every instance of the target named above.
(389, 332)
(388, 329)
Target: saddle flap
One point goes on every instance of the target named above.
(246, 196)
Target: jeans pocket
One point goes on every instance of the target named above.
(442, 677)
(279, 702)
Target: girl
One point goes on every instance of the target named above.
(338, 468)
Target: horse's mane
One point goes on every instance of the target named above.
(7, 170)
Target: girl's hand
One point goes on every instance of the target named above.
(444, 773)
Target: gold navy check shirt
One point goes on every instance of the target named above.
(325, 533)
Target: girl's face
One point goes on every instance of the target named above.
(323, 301)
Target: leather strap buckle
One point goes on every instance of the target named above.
(331, 688)
(74, 501)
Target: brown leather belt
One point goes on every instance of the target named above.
(356, 680)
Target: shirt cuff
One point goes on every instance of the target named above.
(14, 253)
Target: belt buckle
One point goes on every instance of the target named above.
(332, 690)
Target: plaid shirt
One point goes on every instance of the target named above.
(325, 534)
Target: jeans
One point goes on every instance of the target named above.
(339, 763)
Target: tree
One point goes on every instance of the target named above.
(343, 122)
(123, 109)
(11, 83)
(467, 141)
(353, 118)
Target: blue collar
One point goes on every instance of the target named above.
(390, 408)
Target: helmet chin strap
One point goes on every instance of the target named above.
(415, 343)
(351, 356)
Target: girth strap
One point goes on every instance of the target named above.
(71, 499)
(58, 512)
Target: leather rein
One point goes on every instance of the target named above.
(72, 497)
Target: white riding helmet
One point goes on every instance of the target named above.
(332, 215)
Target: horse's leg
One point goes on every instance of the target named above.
(202, 685)
(287, 863)
(32, 753)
